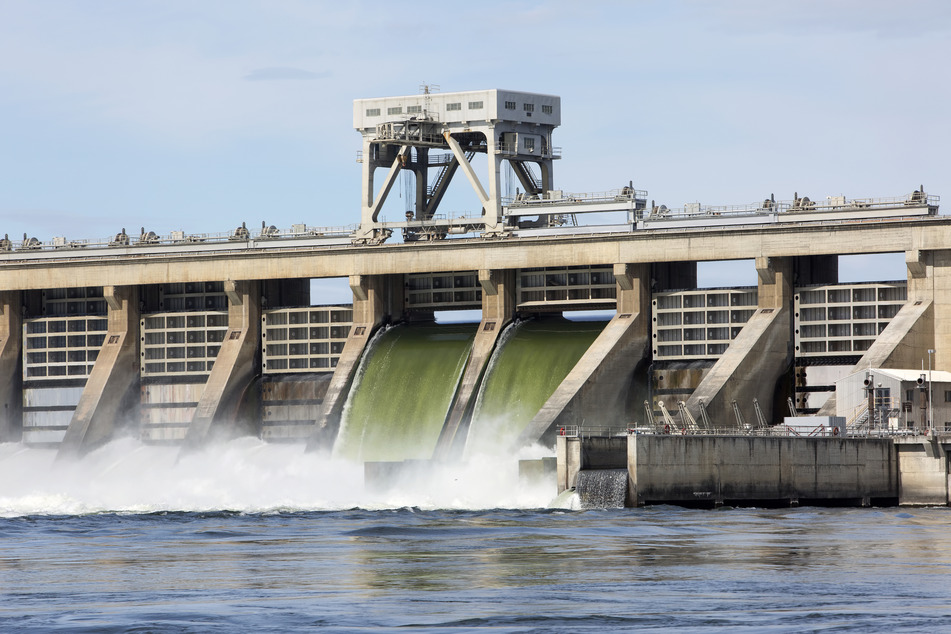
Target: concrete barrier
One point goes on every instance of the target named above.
(741, 470)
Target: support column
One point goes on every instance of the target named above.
(929, 279)
(114, 376)
(376, 300)
(11, 372)
(498, 306)
(595, 391)
(236, 365)
(758, 357)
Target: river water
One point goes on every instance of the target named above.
(248, 536)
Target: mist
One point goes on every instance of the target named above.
(246, 475)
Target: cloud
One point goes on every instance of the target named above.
(281, 73)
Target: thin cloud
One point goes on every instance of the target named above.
(282, 73)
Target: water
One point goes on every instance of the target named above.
(602, 488)
(531, 361)
(400, 401)
(248, 536)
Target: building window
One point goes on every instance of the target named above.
(396, 110)
(947, 426)
(530, 144)
(947, 396)
(475, 105)
(909, 395)
(414, 109)
(547, 109)
(510, 105)
(373, 112)
(454, 106)
(528, 107)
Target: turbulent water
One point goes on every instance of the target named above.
(248, 536)
(403, 392)
(602, 488)
(531, 360)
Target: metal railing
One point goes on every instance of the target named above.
(570, 198)
(150, 238)
(799, 205)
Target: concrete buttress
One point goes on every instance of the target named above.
(759, 355)
(114, 375)
(376, 299)
(498, 304)
(236, 364)
(10, 366)
(599, 382)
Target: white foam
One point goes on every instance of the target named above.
(246, 475)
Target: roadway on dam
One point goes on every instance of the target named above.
(127, 266)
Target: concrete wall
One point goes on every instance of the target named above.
(714, 470)
(924, 472)
(731, 469)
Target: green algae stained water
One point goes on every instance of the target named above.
(529, 365)
(398, 406)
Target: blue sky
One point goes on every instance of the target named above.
(202, 115)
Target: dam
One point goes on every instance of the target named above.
(182, 337)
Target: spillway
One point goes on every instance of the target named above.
(399, 401)
(530, 363)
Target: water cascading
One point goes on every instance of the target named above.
(399, 402)
(602, 488)
(528, 365)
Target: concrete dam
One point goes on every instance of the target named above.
(178, 338)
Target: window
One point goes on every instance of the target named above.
(530, 144)
(414, 109)
(547, 109)
(454, 106)
(396, 110)
(373, 112)
(947, 396)
(475, 105)
(528, 107)
(510, 105)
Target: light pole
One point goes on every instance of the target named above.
(930, 385)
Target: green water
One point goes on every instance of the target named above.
(531, 361)
(398, 405)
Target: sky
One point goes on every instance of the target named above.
(198, 116)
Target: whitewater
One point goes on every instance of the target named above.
(244, 475)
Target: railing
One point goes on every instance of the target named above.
(799, 205)
(149, 238)
(776, 431)
(566, 198)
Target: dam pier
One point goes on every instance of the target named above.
(180, 338)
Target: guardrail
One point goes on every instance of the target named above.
(821, 431)
(567, 198)
(799, 205)
(150, 238)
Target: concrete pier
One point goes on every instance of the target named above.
(740, 470)
(113, 377)
(237, 362)
(11, 374)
